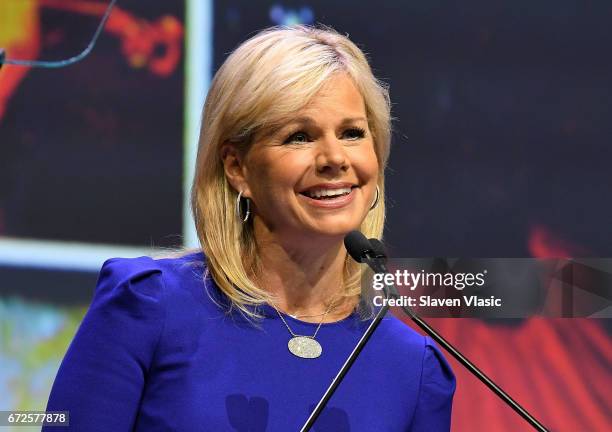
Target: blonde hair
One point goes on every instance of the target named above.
(249, 94)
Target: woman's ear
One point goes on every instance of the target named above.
(234, 168)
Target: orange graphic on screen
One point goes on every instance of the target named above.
(154, 45)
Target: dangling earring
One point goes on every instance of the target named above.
(239, 209)
(375, 203)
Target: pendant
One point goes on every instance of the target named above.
(304, 347)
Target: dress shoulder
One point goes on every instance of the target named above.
(105, 366)
(437, 388)
(132, 285)
(435, 367)
(436, 381)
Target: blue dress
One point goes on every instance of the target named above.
(156, 353)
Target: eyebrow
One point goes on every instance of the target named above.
(303, 120)
(310, 120)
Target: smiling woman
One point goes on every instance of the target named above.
(248, 332)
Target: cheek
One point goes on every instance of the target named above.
(289, 169)
(277, 171)
(366, 162)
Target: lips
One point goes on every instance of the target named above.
(330, 195)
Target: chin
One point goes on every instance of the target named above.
(335, 229)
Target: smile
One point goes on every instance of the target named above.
(329, 197)
(328, 193)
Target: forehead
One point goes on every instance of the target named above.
(338, 95)
(337, 101)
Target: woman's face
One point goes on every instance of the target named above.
(317, 174)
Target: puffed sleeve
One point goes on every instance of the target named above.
(433, 412)
(101, 378)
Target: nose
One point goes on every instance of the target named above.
(331, 156)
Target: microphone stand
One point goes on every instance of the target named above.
(379, 266)
(377, 263)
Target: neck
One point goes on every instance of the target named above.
(305, 275)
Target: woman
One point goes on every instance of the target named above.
(295, 138)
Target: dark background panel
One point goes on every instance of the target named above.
(502, 115)
(93, 152)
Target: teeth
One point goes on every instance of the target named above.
(318, 193)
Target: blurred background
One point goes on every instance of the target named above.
(501, 148)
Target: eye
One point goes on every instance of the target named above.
(297, 137)
(354, 133)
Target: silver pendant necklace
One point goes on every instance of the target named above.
(304, 346)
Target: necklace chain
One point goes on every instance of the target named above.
(307, 316)
(296, 335)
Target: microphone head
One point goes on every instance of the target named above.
(357, 245)
(378, 248)
(2, 56)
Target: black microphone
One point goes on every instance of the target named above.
(2, 56)
(358, 247)
(363, 251)
(379, 250)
